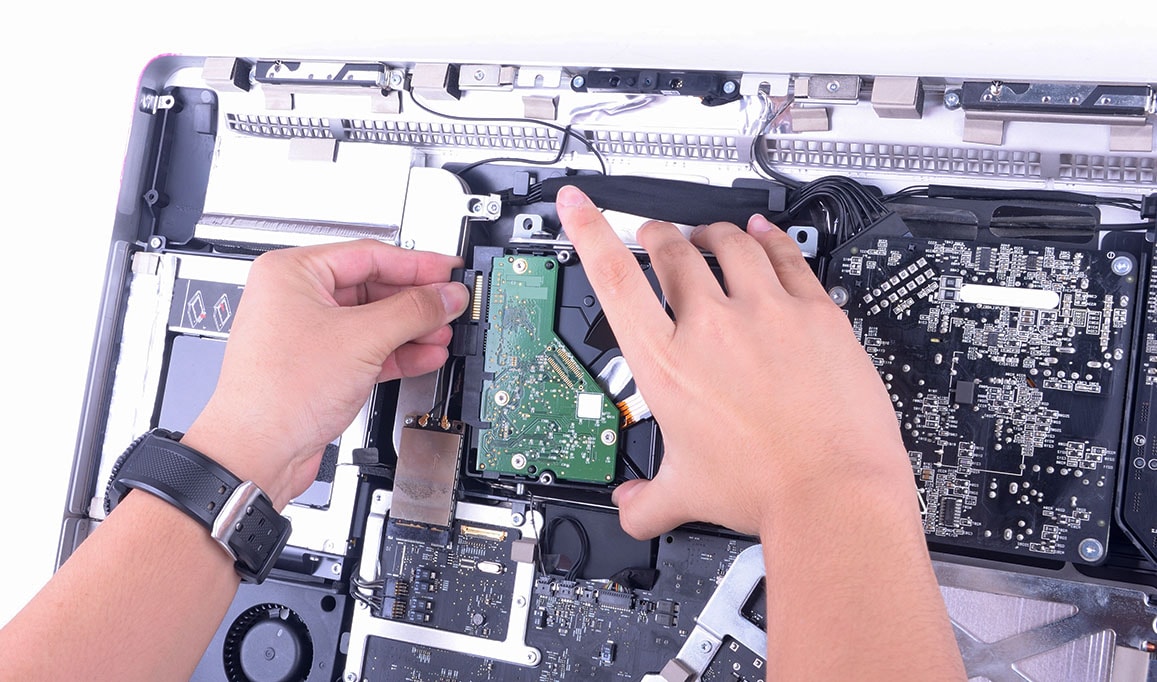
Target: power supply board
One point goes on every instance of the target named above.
(547, 415)
(1007, 365)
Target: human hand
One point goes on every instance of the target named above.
(316, 329)
(763, 393)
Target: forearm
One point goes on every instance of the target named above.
(140, 599)
(857, 598)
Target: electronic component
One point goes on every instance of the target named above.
(547, 415)
(713, 88)
(426, 474)
(1007, 366)
(1138, 505)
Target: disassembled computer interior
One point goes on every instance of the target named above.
(990, 242)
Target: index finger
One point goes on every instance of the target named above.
(635, 314)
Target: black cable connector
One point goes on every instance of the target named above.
(1149, 207)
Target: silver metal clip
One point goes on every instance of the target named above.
(151, 102)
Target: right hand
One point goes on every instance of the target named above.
(763, 393)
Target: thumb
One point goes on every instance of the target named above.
(647, 509)
(409, 314)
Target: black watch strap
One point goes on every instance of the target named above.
(237, 514)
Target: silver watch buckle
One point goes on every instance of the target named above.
(233, 511)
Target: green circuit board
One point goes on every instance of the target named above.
(548, 417)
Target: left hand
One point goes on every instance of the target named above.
(316, 329)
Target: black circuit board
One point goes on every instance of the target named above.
(735, 663)
(1139, 476)
(585, 629)
(465, 587)
(1007, 366)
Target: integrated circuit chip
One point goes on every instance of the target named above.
(547, 415)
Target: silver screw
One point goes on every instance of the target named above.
(479, 75)
(1139, 441)
(335, 569)
(839, 296)
(952, 99)
(396, 79)
(532, 657)
(705, 646)
(1106, 100)
(409, 420)
(833, 86)
(156, 242)
(351, 677)
(728, 87)
(578, 81)
(492, 207)
(517, 519)
(408, 244)
(1091, 549)
(1122, 265)
(520, 602)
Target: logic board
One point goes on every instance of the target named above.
(583, 629)
(547, 416)
(1007, 365)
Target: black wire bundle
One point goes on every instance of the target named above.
(565, 132)
(1033, 195)
(850, 207)
(584, 542)
(366, 591)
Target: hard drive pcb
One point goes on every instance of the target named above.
(547, 416)
(1007, 365)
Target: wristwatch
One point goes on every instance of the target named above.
(237, 514)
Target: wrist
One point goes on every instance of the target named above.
(249, 459)
(875, 485)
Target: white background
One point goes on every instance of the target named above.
(69, 87)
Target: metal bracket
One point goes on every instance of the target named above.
(540, 107)
(228, 73)
(983, 131)
(828, 89)
(1131, 138)
(809, 119)
(721, 617)
(151, 101)
(437, 208)
(435, 81)
(775, 84)
(486, 77)
(898, 97)
(512, 650)
(538, 77)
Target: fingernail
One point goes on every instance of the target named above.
(759, 224)
(697, 229)
(454, 297)
(570, 197)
